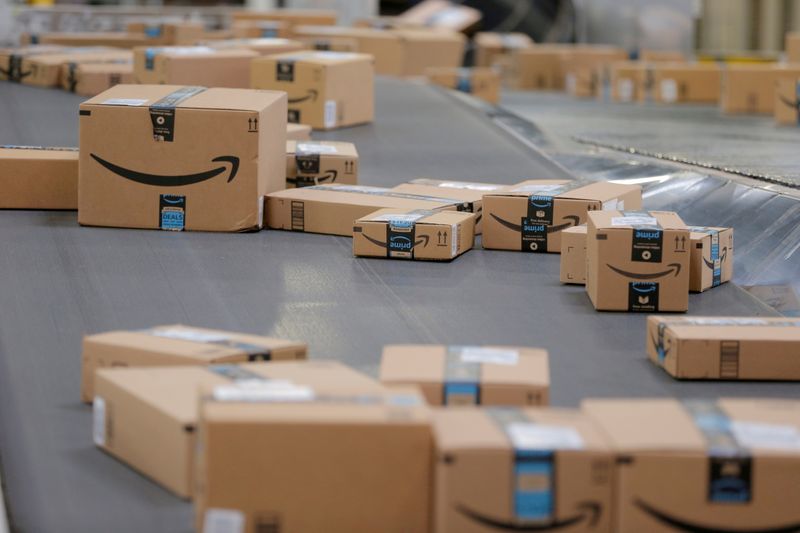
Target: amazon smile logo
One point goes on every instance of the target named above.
(310, 96)
(572, 221)
(673, 268)
(690, 527)
(423, 240)
(173, 181)
(328, 177)
(722, 257)
(588, 511)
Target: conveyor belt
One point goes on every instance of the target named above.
(59, 281)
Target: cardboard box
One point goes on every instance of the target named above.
(684, 83)
(328, 461)
(538, 67)
(670, 56)
(112, 39)
(530, 216)
(627, 81)
(489, 45)
(326, 90)
(169, 33)
(320, 162)
(385, 47)
(470, 375)
(581, 66)
(520, 470)
(298, 132)
(751, 88)
(483, 83)
(330, 44)
(711, 260)
(292, 17)
(793, 47)
(637, 261)
(573, 255)
(263, 45)
(45, 70)
(725, 348)
(38, 177)
(11, 59)
(254, 29)
(90, 79)
(178, 345)
(726, 463)
(147, 416)
(180, 158)
(471, 193)
(414, 234)
(193, 65)
(787, 102)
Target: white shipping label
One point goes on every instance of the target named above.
(769, 436)
(474, 354)
(399, 217)
(634, 221)
(454, 239)
(99, 421)
(316, 148)
(531, 436)
(330, 113)
(535, 187)
(571, 83)
(470, 186)
(669, 90)
(189, 50)
(125, 101)
(625, 90)
(223, 521)
(187, 334)
(265, 391)
(611, 205)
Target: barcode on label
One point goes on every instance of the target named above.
(223, 521)
(99, 421)
(330, 114)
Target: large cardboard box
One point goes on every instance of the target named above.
(193, 65)
(538, 67)
(298, 132)
(573, 255)
(178, 345)
(521, 470)
(751, 88)
(470, 375)
(147, 416)
(90, 79)
(787, 102)
(254, 29)
(38, 177)
(326, 90)
(725, 348)
(180, 158)
(114, 39)
(683, 83)
(307, 459)
(320, 162)
(11, 59)
(530, 216)
(169, 33)
(264, 46)
(793, 47)
(725, 465)
(45, 70)
(489, 45)
(292, 17)
(711, 257)
(333, 209)
(483, 83)
(414, 234)
(637, 261)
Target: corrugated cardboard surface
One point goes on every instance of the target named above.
(209, 67)
(320, 163)
(573, 255)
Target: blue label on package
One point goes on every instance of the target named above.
(172, 212)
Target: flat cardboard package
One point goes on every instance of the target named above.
(441, 15)
(11, 59)
(787, 102)
(793, 47)
(326, 90)
(292, 17)
(489, 45)
(725, 348)
(180, 158)
(637, 261)
(38, 177)
(169, 33)
(470, 375)
(537, 67)
(264, 46)
(45, 70)
(114, 39)
(711, 260)
(344, 460)
(414, 234)
(254, 29)
(320, 163)
(683, 83)
(530, 216)
(573, 255)
(703, 465)
(333, 209)
(193, 65)
(178, 345)
(298, 132)
(483, 83)
(751, 88)
(521, 470)
(90, 79)
(147, 416)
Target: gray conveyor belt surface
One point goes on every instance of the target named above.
(59, 281)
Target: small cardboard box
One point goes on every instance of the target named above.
(787, 102)
(326, 90)
(537, 67)
(90, 79)
(573, 255)
(147, 416)
(113, 39)
(711, 257)
(193, 65)
(11, 59)
(292, 17)
(751, 88)
(423, 49)
(414, 234)
(178, 345)
(298, 132)
(470, 375)
(38, 177)
(385, 48)
(683, 83)
(637, 261)
(627, 81)
(254, 29)
(320, 162)
(330, 43)
(489, 45)
(521, 470)
(725, 348)
(727, 463)
(169, 33)
(793, 47)
(333, 209)
(530, 216)
(361, 460)
(45, 70)
(174, 158)
(483, 83)
(264, 46)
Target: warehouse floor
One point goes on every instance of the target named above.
(61, 281)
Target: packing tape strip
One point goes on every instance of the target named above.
(377, 191)
(462, 379)
(254, 352)
(715, 256)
